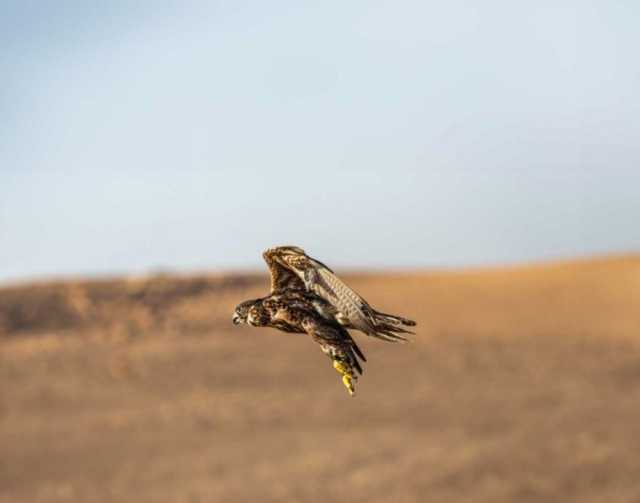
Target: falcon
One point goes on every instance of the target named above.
(307, 297)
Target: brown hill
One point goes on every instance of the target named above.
(582, 297)
(522, 384)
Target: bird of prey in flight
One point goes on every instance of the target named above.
(307, 297)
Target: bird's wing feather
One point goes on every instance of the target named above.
(351, 306)
(282, 278)
(352, 311)
(316, 277)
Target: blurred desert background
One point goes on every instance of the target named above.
(521, 384)
(474, 166)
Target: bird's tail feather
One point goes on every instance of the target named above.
(393, 320)
(390, 328)
(388, 336)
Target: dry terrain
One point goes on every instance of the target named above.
(522, 384)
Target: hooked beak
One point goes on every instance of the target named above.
(236, 319)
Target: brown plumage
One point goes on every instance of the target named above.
(292, 269)
(294, 311)
(307, 297)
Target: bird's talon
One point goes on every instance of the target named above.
(346, 379)
(339, 367)
(347, 376)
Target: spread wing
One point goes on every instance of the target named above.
(282, 278)
(352, 310)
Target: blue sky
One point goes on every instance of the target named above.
(408, 134)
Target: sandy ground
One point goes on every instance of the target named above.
(521, 385)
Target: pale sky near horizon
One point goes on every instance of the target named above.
(191, 135)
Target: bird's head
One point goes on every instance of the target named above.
(243, 312)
